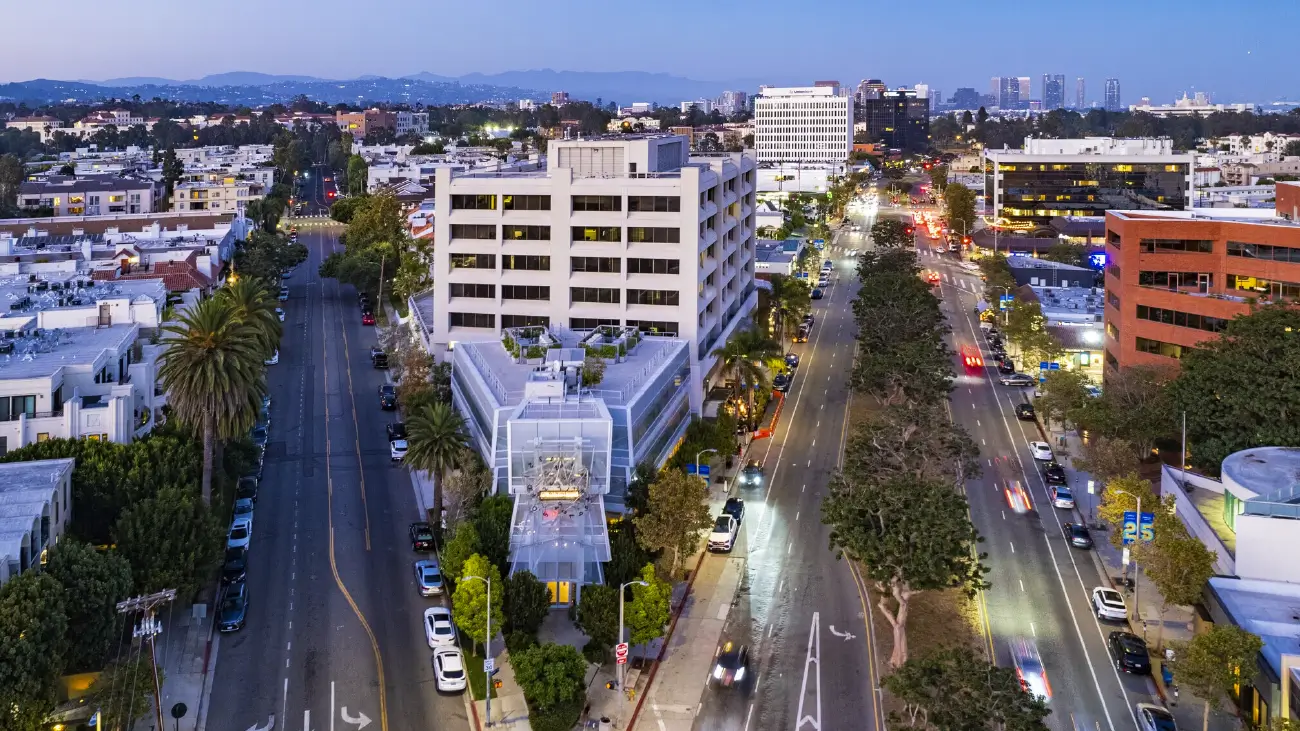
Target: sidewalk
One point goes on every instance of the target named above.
(509, 709)
(1179, 622)
(187, 652)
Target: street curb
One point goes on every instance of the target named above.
(209, 673)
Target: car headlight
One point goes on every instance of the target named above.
(717, 672)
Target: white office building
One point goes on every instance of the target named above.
(564, 448)
(806, 124)
(626, 230)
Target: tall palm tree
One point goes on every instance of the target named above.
(253, 306)
(745, 355)
(212, 369)
(436, 440)
(791, 299)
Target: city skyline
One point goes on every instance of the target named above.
(1249, 68)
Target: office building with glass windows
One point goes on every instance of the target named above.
(624, 230)
(1175, 279)
(1047, 178)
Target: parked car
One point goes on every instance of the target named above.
(808, 319)
(240, 533)
(792, 361)
(1006, 367)
(259, 435)
(817, 293)
(449, 669)
(428, 577)
(1062, 497)
(1109, 604)
(1151, 717)
(1042, 451)
(438, 629)
(235, 567)
(397, 450)
(751, 474)
(1054, 474)
(367, 318)
(279, 312)
(246, 488)
(1030, 670)
(274, 359)
(421, 536)
(388, 397)
(1016, 379)
(234, 608)
(723, 536)
(735, 507)
(378, 358)
(396, 430)
(802, 335)
(1025, 412)
(730, 663)
(781, 383)
(1078, 535)
(284, 293)
(244, 507)
(1129, 653)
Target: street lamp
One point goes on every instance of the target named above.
(621, 591)
(1137, 607)
(699, 454)
(487, 650)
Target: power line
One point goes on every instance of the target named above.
(148, 629)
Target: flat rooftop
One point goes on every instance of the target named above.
(1257, 216)
(1272, 473)
(1270, 609)
(42, 356)
(17, 295)
(508, 379)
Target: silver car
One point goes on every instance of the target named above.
(428, 577)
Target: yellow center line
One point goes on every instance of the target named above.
(329, 492)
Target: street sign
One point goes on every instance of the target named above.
(704, 469)
(1135, 529)
(1130, 526)
(1091, 486)
(489, 665)
(1146, 527)
(1048, 366)
(620, 653)
(1004, 301)
(1124, 557)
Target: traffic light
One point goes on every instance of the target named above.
(965, 240)
(908, 230)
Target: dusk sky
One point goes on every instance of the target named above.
(1157, 48)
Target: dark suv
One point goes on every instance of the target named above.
(387, 397)
(1025, 412)
(421, 536)
(1129, 653)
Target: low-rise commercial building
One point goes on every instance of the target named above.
(90, 196)
(1026, 188)
(41, 125)
(35, 508)
(1175, 279)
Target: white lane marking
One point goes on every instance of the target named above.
(788, 547)
(1022, 584)
(977, 423)
(812, 656)
(797, 514)
(747, 715)
(1032, 630)
(1013, 546)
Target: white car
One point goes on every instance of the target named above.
(438, 629)
(1042, 451)
(284, 294)
(1109, 604)
(279, 312)
(449, 669)
(1151, 717)
(274, 359)
(241, 532)
(723, 536)
(397, 449)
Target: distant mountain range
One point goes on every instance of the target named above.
(252, 88)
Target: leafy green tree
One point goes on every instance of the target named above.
(920, 442)
(528, 601)
(470, 600)
(1135, 407)
(550, 675)
(598, 615)
(363, 268)
(93, 583)
(791, 299)
(12, 175)
(909, 536)
(1065, 252)
(343, 209)
(676, 513)
(1292, 149)
(172, 170)
(1221, 381)
(1105, 459)
(1121, 495)
(1211, 664)
(212, 367)
(123, 691)
(746, 355)
(412, 275)
(890, 233)
(1063, 394)
(358, 170)
(378, 220)
(626, 554)
(492, 520)
(939, 175)
(1179, 566)
(959, 208)
(464, 542)
(646, 615)
(171, 541)
(436, 440)
(954, 688)
(638, 495)
(264, 255)
(34, 624)
(997, 275)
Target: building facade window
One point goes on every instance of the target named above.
(526, 202)
(1112, 330)
(465, 289)
(600, 295)
(480, 202)
(653, 235)
(1170, 246)
(473, 261)
(1264, 252)
(1181, 319)
(525, 292)
(11, 407)
(604, 203)
(471, 319)
(1113, 238)
(654, 204)
(612, 234)
(526, 263)
(590, 323)
(654, 266)
(1159, 347)
(654, 327)
(1177, 280)
(1114, 270)
(658, 297)
(1270, 288)
(1113, 299)
(525, 321)
(526, 233)
(596, 264)
(1111, 360)
(480, 231)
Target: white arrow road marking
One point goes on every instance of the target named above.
(270, 724)
(361, 720)
(812, 657)
(846, 635)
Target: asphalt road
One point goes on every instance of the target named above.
(334, 626)
(798, 608)
(1041, 586)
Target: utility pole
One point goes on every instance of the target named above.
(148, 629)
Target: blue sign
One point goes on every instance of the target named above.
(1135, 529)
(819, 243)
(1004, 301)
(1046, 366)
(704, 470)
(1097, 260)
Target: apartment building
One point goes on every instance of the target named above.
(1027, 188)
(405, 123)
(93, 196)
(218, 155)
(35, 508)
(41, 125)
(227, 194)
(806, 124)
(362, 124)
(626, 230)
(1175, 279)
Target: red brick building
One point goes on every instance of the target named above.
(1175, 278)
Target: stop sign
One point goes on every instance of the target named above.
(620, 653)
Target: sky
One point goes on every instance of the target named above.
(1157, 48)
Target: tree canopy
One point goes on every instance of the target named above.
(676, 513)
(956, 689)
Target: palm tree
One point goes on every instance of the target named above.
(745, 354)
(436, 440)
(791, 299)
(212, 369)
(252, 305)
